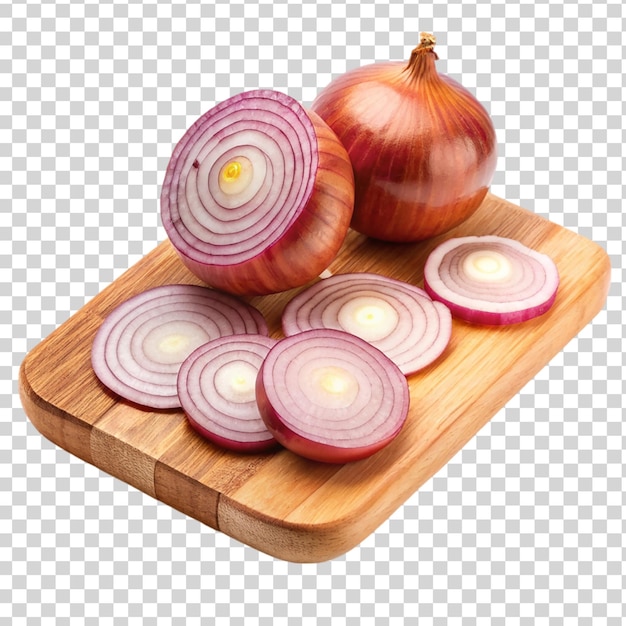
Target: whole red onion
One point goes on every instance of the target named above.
(423, 149)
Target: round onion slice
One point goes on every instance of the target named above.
(330, 396)
(491, 280)
(398, 318)
(216, 387)
(141, 344)
(258, 194)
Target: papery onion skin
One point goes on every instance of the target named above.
(423, 149)
(315, 449)
(495, 310)
(318, 223)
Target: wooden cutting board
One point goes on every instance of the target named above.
(278, 503)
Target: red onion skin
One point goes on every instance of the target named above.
(422, 147)
(309, 245)
(313, 450)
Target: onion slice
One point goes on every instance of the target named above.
(398, 318)
(330, 396)
(491, 280)
(142, 343)
(216, 387)
(258, 194)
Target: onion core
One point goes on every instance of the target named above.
(423, 149)
(330, 396)
(141, 344)
(398, 318)
(491, 280)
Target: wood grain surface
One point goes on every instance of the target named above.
(278, 503)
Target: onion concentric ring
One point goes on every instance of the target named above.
(142, 343)
(258, 194)
(331, 396)
(216, 387)
(491, 280)
(398, 318)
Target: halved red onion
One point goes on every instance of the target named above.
(491, 280)
(216, 388)
(141, 344)
(398, 318)
(258, 194)
(330, 396)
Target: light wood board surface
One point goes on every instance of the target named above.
(278, 503)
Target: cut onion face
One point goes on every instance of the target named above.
(142, 343)
(216, 387)
(330, 396)
(399, 319)
(258, 194)
(491, 280)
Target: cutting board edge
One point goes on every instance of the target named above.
(310, 542)
(330, 538)
(54, 424)
(295, 542)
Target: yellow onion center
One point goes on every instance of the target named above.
(333, 386)
(333, 380)
(231, 171)
(368, 317)
(235, 175)
(487, 266)
(173, 343)
(235, 381)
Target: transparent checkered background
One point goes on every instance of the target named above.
(525, 526)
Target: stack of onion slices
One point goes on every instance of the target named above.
(398, 318)
(142, 343)
(216, 387)
(258, 194)
(491, 280)
(330, 396)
